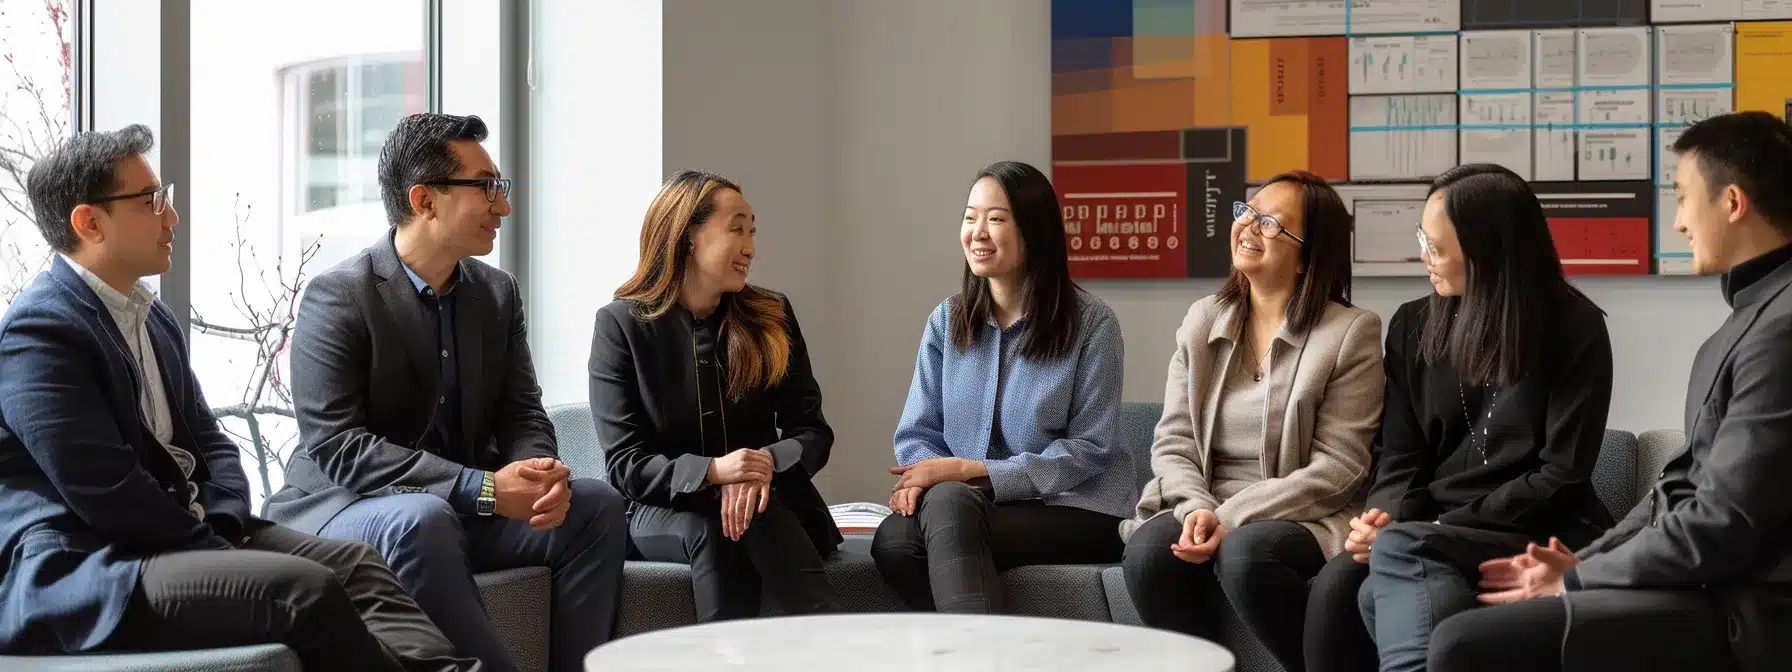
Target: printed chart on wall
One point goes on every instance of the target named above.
(1166, 112)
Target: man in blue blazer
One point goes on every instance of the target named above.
(124, 511)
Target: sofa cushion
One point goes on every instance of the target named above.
(1615, 474)
(262, 658)
(516, 601)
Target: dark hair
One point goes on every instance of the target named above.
(1049, 296)
(81, 170)
(1325, 255)
(1752, 150)
(1494, 332)
(417, 152)
(754, 328)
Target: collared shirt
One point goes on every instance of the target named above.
(131, 315)
(1056, 417)
(444, 428)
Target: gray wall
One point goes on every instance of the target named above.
(855, 126)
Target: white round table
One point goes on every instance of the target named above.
(909, 642)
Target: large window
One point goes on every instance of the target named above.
(36, 94)
(287, 126)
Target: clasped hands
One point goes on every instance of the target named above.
(533, 490)
(914, 479)
(1537, 572)
(746, 479)
(1201, 535)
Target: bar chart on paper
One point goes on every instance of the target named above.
(1403, 64)
(1402, 137)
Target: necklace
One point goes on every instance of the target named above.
(1492, 400)
(1250, 350)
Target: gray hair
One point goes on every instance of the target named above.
(417, 152)
(81, 170)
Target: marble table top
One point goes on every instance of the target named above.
(909, 642)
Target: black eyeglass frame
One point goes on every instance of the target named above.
(492, 185)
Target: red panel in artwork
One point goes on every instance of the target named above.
(1602, 245)
(1125, 221)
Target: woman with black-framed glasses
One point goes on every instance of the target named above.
(1274, 392)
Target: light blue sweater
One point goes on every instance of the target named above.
(1057, 417)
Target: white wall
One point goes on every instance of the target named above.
(595, 164)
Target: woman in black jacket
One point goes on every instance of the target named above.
(695, 376)
(1498, 388)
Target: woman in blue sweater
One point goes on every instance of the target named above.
(1005, 449)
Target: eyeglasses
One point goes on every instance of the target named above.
(492, 186)
(1267, 225)
(161, 198)
(1425, 246)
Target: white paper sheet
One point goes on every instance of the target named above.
(1402, 137)
(1495, 59)
(1403, 64)
(1614, 154)
(1695, 54)
(1612, 56)
(1553, 136)
(1272, 18)
(1504, 136)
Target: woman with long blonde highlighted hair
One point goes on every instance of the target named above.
(708, 411)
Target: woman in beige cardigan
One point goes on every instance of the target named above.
(1273, 397)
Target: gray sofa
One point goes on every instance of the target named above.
(658, 595)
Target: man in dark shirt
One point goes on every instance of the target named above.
(1698, 576)
(421, 427)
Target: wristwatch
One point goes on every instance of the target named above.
(487, 504)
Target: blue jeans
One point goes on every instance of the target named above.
(1419, 575)
(435, 553)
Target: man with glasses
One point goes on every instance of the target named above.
(421, 428)
(124, 510)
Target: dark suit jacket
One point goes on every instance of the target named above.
(1719, 518)
(365, 371)
(644, 400)
(86, 492)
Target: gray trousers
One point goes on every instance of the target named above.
(948, 556)
(334, 603)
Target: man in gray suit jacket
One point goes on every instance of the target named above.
(1699, 576)
(421, 428)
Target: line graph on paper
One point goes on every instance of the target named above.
(1496, 128)
(1402, 137)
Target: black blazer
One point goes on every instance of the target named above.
(365, 373)
(644, 401)
(1719, 517)
(1543, 437)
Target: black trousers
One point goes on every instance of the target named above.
(727, 576)
(334, 603)
(1271, 573)
(949, 555)
(1661, 630)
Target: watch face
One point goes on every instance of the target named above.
(486, 506)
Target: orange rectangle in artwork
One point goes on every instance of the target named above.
(1291, 94)
(1083, 113)
(1288, 69)
(1213, 80)
(1156, 106)
(1328, 108)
